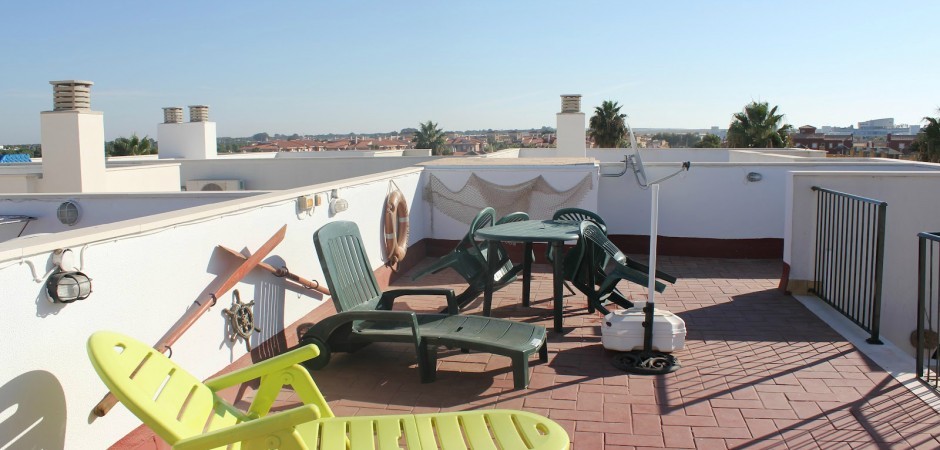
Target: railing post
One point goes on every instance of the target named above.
(879, 272)
(921, 281)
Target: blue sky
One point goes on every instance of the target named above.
(376, 66)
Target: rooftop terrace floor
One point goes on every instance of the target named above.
(758, 371)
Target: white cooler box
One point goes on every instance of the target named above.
(623, 330)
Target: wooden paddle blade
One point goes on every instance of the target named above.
(249, 264)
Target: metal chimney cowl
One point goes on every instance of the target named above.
(71, 95)
(173, 114)
(571, 103)
(198, 113)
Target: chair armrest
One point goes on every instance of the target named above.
(408, 317)
(253, 429)
(282, 361)
(644, 268)
(388, 297)
(622, 272)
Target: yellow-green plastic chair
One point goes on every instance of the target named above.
(189, 414)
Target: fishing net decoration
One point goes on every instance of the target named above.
(536, 197)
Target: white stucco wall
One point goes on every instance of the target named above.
(290, 172)
(144, 178)
(911, 209)
(713, 200)
(101, 209)
(187, 140)
(146, 272)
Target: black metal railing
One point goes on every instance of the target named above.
(928, 309)
(850, 240)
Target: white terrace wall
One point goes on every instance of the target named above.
(100, 209)
(146, 273)
(712, 200)
(290, 172)
(684, 154)
(144, 178)
(912, 208)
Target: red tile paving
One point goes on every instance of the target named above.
(759, 371)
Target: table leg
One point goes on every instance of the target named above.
(491, 256)
(558, 279)
(526, 273)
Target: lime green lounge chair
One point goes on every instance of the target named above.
(364, 314)
(189, 414)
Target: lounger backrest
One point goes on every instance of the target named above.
(577, 215)
(171, 401)
(517, 216)
(346, 266)
(484, 218)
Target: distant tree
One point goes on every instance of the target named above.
(678, 140)
(758, 126)
(608, 126)
(260, 137)
(927, 143)
(430, 136)
(293, 137)
(709, 141)
(133, 145)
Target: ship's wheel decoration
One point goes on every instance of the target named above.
(241, 318)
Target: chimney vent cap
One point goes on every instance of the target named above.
(571, 103)
(71, 95)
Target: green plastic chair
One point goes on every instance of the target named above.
(598, 265)
(189, 414)
(468, 259)
(364, 314)
(577, 215)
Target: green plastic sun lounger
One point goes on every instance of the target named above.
(189, 414)
(365, 315)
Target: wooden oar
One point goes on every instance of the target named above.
(282, 272)
(189, 318)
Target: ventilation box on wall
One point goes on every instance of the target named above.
(215, 185)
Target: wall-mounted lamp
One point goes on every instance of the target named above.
(67, 287)
(337, 205)
(754, 177)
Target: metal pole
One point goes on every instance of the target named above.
(651, 297)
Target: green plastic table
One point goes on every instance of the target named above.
(552, 232)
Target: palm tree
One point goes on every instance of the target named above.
(134, 145)
(758, 126)
(608, 127)
(430, 136)
(927, 144)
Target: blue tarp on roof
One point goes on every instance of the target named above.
(14, 158)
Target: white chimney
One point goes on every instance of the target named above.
(195, 139)
(570, 127)
(72, 137)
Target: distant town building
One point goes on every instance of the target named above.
(882, 127)
(807, 137)
(901, 143)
